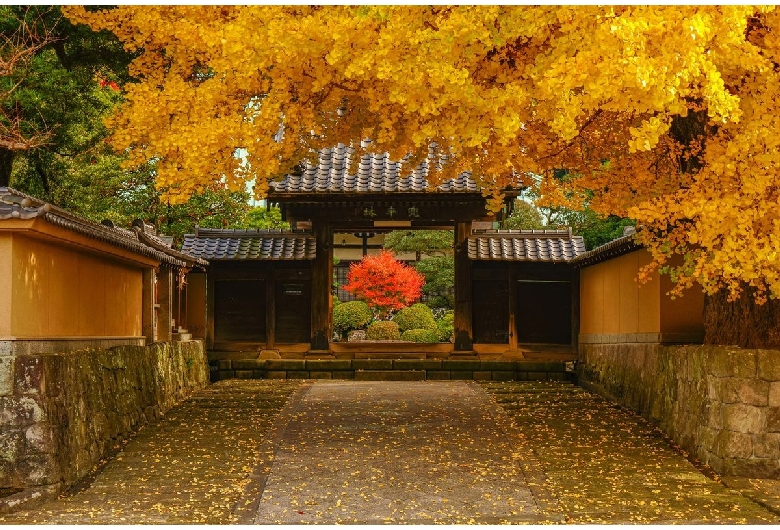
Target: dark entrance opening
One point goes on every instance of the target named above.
(293, 311)
(544, 309)
(491, 304)
(239, 310)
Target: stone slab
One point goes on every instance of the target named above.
(389, 375)
(417, 364)
(328, 364)
(285, 364)
(249, 364)
(461, 364)
(428, 453)
(372, 364)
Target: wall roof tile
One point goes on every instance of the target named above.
(215, 245)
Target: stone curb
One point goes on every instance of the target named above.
(28, 498)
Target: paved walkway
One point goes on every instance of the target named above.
(329, 452)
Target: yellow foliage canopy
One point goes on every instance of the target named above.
(669, 113)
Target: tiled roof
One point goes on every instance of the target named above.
(148, 236)
(525, 245)
(616, 247)
(250, 245)
(338, 170)
(17, 205)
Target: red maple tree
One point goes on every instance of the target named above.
(384, 283)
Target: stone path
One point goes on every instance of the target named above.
(270, 451)
(396, 452)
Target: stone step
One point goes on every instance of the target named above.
(487, 370)
(389, 375)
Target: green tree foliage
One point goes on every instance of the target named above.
(430, 242)
(434, 261)
(53, 100)
(594, 228)
(214, 207)
(524, 216)
(53, 103)
(266, 218)
(439, 273)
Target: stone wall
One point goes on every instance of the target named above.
(722, 404)
(60, 413)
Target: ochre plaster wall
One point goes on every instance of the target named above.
(57, 291)
(684, 314)
(5, 283)
(196, 304)
(612, 301)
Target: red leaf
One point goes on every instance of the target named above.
(384, 283)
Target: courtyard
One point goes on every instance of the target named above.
(418, 452)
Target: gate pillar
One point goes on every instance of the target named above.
(463, 295)
(321, 282)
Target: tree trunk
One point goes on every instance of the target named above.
(6, 165)
(741, 323)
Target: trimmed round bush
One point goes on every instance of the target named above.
(351, 315)
(383, 330)
(445, 327)
(427, 336)
(418, 316)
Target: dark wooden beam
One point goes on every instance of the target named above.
(165, 300)
(322, 278)
(363, 210)
(464, 338)
(575, 309)
(270, 315)
(512, 307)
(148, 302)
(209, 331)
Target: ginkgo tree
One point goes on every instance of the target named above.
(668, 114)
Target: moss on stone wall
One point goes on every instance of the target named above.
(68, 410)
(722, 404)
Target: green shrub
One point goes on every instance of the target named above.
(418, 316)
(420, 335)
(446, 326)
(383, 330)
(351, 315)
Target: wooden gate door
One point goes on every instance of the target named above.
(239, 310)
(491, 305)
(293, 311)
(544, 311)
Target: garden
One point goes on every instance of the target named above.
(387, 308)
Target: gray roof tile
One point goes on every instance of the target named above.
(617, 247)
(217, 244)
(525, 245)
(338, 171)
(17, 205)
